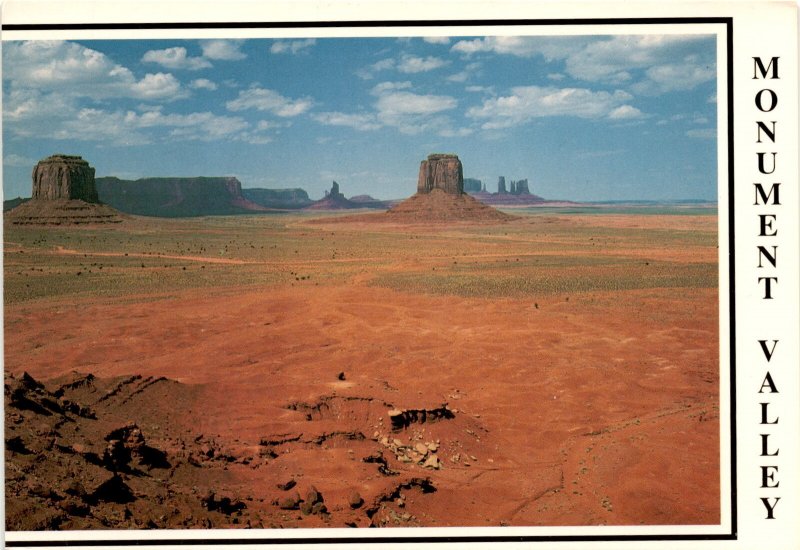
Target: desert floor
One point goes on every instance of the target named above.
(561, 369)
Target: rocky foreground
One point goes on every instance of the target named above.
(75, 460)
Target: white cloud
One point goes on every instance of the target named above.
(437, 39)
(408, 103)
(18, 160)
(175, 58)
(156, 86)
(625, 112)
(529, 102)
(358, 121)
(702, 133)
(667, 61)
(410, 64)
(406, 64)
(676, 76)
(263, 99)
(390, 86)
(223, 50)
(462, 76)
(74, 71)
(202, 84)
(412, 113)
(550, 47)
(556, 76)
(650, 64)
(291, 46)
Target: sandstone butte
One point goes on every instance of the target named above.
(440, 196)
(64, 193)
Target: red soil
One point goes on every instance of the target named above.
(598, 410)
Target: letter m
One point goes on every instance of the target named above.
(758, 66)
(765, 197)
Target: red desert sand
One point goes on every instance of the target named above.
(337, 399)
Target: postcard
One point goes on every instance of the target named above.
(342, 275)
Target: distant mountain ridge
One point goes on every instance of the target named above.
(289, 199)
(176, 197)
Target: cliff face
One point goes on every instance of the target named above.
(278, 198)
(64, 177)
(176, 197)
(443, 172)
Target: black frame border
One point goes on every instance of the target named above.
(234, 25)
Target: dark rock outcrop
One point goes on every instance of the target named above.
(288, 199)
(521, 187)
(177, 197)
(501, 186)
(335, 200)
(441, 171)
(64, 177)
(472, 185)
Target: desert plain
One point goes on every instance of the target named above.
(296, 370)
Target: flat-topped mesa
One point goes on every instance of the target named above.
(441, 171)
(64, 177)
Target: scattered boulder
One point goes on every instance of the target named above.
(291, 502)
(354, 500)
(287, 485)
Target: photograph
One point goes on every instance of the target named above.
(454, 280)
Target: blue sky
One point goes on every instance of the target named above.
(581, 117)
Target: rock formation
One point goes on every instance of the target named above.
(472, 185)
(334, 192)
(278, 198)
(501, 186)
(177, 197)
(335, 200)
(64, 177)
(64, 193)
(520, 187)
(441, 171)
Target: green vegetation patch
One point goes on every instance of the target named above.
(553, 275)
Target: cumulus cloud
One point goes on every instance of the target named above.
(529, 102)
(521, 46)
(223, 50)
(156, 86)
(648, 64)
(175, 58)
(358, 121)
(264, 99)
(410, 64)
(291, 46)
(390, 86)
(405, 63)
(18, 160)
(74, 70)
(398, 107)
(702, 133)
(202, 84)
(410, 112)
(437, 39)
(470, 70)
(625, 112)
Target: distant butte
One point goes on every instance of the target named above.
(64, 193)
(440, 196)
